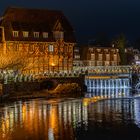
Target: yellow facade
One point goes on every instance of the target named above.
(36, 43)
(38, 57)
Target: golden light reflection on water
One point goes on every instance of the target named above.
(40, 120)
(59, 119)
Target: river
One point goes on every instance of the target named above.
(70, 119)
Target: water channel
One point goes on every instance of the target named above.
(70, 119)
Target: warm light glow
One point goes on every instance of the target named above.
(52, 64)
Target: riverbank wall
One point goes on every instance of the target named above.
(47, 83)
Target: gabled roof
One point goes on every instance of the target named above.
(23, 19)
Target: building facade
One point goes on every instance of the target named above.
(76, 56)
(45, 36)
(100, 56)
(133, 56)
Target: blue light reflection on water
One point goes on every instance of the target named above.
(70, 119)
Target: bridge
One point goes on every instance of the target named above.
(120, 71)
(100, 74)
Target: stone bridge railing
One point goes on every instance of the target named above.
(104, 69)
(6, 77)
(11, 77)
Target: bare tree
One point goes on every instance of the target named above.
(13, 60)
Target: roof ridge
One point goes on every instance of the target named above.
(33, 9)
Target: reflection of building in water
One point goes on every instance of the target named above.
(111, 111)
(52, 119)
(40, 120)
(137, 112)
(110, 92)
(108, 87)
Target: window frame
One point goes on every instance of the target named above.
(51, 48)
(45, 34)
(36, 34)
(15, 33)
(25, 34)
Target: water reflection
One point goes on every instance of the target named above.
(110, 92)
(70, 119)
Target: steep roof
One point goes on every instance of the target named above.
(23, 19)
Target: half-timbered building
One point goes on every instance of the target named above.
(45, 35)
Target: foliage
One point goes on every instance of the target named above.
(130, 58)
(120, 43)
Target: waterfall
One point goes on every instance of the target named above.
(108, 87)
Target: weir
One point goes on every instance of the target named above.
(109, 87)
(109, 83)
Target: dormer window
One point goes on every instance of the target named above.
(58, 35)
(106, 50)
(98, 50)
(36, 34)
(45, 35)
(25, 34)
(15, 33)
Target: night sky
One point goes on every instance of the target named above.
(91, 17)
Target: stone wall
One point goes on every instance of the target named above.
(61, 80)
(40, 85)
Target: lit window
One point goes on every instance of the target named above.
(76, 49)
(58, 35)
(107, 57)
(45, 35)
(99, 63)
(15, 33)
(114, 63)
(100, 56)
(106, 50)
(51, 48)
(77, 56)
(113, 50)
(107, 63)
(92, 63)
(115, 57)
(92, 56)
(25, 34)
(36, 34)
(136, 57)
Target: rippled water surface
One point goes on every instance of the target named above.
(70, 119)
